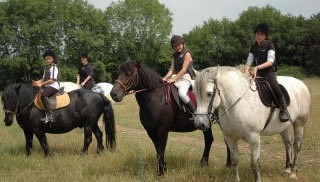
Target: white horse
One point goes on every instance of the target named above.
(242, 115)
(103, 87)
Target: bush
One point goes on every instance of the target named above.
(294, 71)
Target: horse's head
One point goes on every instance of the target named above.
(127, 80)
(10, 102)
(208, 99)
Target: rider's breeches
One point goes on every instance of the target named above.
(183, 84)
(271, 78)
(48, 91)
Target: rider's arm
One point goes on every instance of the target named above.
(170, 72)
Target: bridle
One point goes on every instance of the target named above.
(128, 84)
(15, 112)
(213, 113)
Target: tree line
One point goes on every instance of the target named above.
(140, 30)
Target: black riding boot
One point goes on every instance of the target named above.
(191, 107)
(49, 114)
(284, 114)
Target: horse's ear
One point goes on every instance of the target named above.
(138, 64)
(17, 88)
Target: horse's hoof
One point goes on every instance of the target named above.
(287, 171)
(204, 163)
(293, 176)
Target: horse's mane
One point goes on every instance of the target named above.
(10, 94)
(149, 77)
(224, 74)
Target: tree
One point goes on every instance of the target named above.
(138, 29)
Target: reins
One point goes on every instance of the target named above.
(126, 86)
(15, 112)
(213, 114)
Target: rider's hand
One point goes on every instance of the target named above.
(164, 79)
(253, 72)
(171, 81)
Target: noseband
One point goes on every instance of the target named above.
(15, 112)
(128, 84)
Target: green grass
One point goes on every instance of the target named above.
(135, 158)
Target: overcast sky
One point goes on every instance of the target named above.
(188, 14)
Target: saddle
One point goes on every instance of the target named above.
(266, 94)
(59, 100)
(172, 97)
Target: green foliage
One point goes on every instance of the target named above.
(227, 43)
(294, 71)
(139, 30)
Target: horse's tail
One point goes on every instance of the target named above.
(109, 123)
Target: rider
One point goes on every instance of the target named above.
(181, 66)
(262, 56)
(48, 84)
(85, 73)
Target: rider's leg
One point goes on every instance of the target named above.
(45, 93)
(183, 89)
(284, 114)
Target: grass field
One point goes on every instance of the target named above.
(135, 158)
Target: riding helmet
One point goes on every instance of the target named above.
(49, 53)
(176, 40)
(84, 55)
(263, 28)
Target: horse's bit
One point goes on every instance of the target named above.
(128, 84)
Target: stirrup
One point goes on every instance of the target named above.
(284, 116)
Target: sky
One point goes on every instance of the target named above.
(187, 14)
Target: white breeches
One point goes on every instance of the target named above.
(183, 84)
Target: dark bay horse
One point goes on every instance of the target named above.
(84, 111)
(156, 115)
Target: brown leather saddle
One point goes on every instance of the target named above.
(266, 94)
(59, 100)
(172, 96)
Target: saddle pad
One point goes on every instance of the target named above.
(61, 100)
(266, 95)
(173, 96)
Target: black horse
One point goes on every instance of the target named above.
(84, 111)
(157, 116)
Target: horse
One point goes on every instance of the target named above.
(102, 87)
(235, 105)
(84, 111)
(157, 116)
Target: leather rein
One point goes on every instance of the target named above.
(126, 86)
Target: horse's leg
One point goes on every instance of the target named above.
(29, 139)
(254, 142)
(228, 163)
(87, 139)
(234, 155)
(98, 134)
(208, 139)
(159, 140)
(43, 141)
(286, 138)
(298, 134)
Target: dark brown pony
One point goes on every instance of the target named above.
(84, 110)
(157, 116)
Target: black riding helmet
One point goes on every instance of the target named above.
(49, 53)
(176, 40)
(263, 28)
(84, 55)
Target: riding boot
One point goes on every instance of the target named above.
(284, 114)
(49, 114)
(191, 107)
